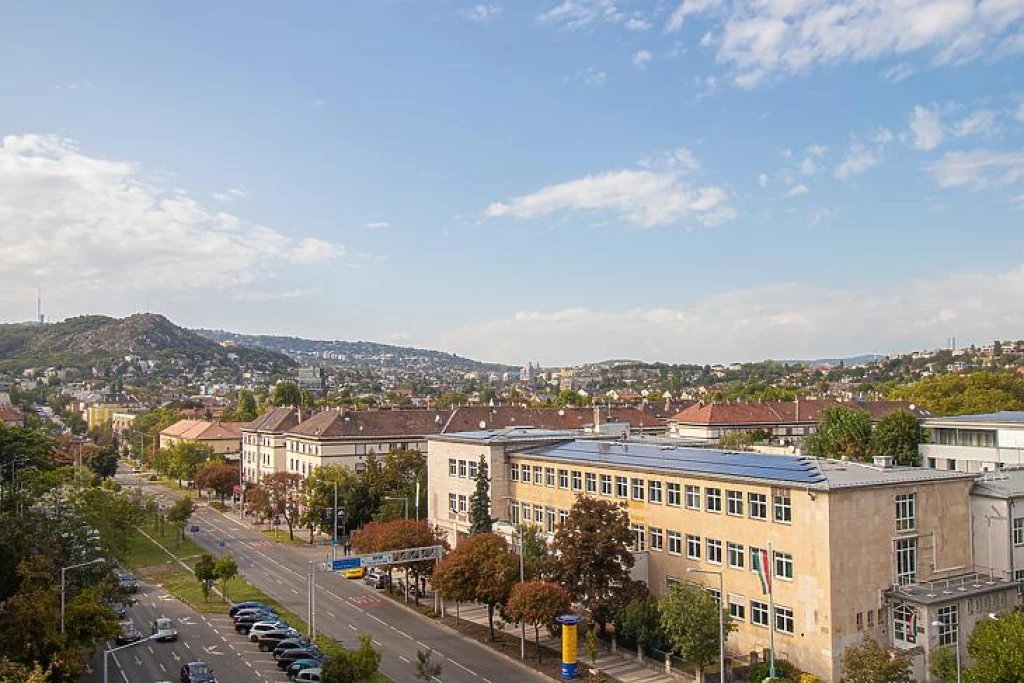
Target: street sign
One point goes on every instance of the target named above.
(374, 560)
(347, 563)
(194, 529)
(220, 544)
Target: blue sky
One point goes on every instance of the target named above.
(684, 180)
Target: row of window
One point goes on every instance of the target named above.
(548, 518)
(464, 468)
(710, 499)
(759, 611)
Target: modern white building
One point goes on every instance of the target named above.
(974, 443)
(263, 442)
(997, 523)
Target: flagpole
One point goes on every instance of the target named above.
(771, 616)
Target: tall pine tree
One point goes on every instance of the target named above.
(480, 521)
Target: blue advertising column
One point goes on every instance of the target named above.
(568, 622)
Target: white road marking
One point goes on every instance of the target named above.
(464, 668)
(403, 659)
(162, 668)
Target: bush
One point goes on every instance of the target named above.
(784, 672)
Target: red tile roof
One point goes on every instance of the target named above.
(785, 412)
(334, 424)
(274, 421)
(9, 415)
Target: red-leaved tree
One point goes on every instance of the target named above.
(538, 603)
(480, 569)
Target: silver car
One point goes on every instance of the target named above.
(163, 630)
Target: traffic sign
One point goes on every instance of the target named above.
(347, 563)
(220, 544)
(374, 560)
(194, 529)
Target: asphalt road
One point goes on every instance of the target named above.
(345, 608)
(211, 639)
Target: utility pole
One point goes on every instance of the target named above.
(334, 539)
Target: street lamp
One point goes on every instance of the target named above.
(522, 578)
(115, 649)
(956, 644)
(721, 616)
(403, 499)
(63, 584)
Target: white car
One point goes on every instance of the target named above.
(261, 627)
(163, 630)
(308, 676)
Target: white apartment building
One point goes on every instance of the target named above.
(974, 443)
(263, 443)
(997, 522)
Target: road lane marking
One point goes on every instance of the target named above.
(464, 668)
(403, 659)
(162, 668)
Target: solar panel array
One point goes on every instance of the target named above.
(783, 468)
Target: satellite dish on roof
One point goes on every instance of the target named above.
(483, 425)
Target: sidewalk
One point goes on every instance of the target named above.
(621, 666)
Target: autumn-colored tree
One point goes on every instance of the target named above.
(218, 476)
(400, 534)
(869, 662)
(537, 603)
(12, 672)
(259, 504)
(591, 557)
(480, 569)
(283, 491)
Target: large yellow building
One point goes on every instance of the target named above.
(855, 549)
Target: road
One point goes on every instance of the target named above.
(200, 637)
(345, 608)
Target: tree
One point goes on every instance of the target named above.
(347, 666)
(967, 394)
(426, 668)
(245, 411)
(640, 622)
(218, 476)
(869, 662)
(257, 500)
(480, 569)
(592, 558)
(206, 573)
(400, 534)
(178, 514)
(538, 603)
(898, 434)
(103, 461)
(187, 457)
(224, 570)
(689, 617)
(842, 433)
(480, 520)
(12, 672)
(306, 401)
(354, 501)
(286, 394)
(997, 649)
(283, 493)
(534, 550)
(943, 665)
(741, 441)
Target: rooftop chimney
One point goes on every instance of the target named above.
(883, 461)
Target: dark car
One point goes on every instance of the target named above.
(239, 606)
(377, 580)
(253, 611)
(126, 581)
(197, 672)
(269, 640)
(298, 665)
(245, 625)
(290, 643)
(128, 634)
(295, 654)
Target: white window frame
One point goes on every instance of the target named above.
(906, 561)
(621, 487)
(675, 543)
(453, 467)
(657, 538)
(563, 479)
(453, 502)
(757, 505)
(737, 607)
(734, 503)
(693, 547)
(674, 496)
(784, 620)
(591, 482)
(636, 488)
(462, 469)
(606, 484)
(639, 537)
(576, 476)
(782, 507)
(692, 497)
(903, 624)
(714, 550)
(759, 615)
(781, 562)
(949, 632)
(654, 489)
(513, 473)
(906, 512)
(1018, 532)
(736, 553)
(713, 499)
(549, 477)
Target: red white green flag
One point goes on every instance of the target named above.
(760, 563)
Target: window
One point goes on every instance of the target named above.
(513, 473)
(639, 537)
(950, 618)
(1018, 531)
(591, 482)
(713, 500)
(525, 474)
(527, 513)
(563, 479)
(714, 551)
(675, 543)
(513, 512)
(538, 514)
(783, 619)
(577, 480)
(860, 621)
(549, 476)
(736, 555)
(906, 561)
(453, 504)
(606, 485)
(654, 491)
(693, 497)
(462, 503)
(538, 475)
(737, 607)
(1018, 576)
(549, 520)
(621, 487)
(453, 467)
(657, 539)
(951, 464)
(673, 494)
(758, 505)
(783, 507)
(734, 503)
(472, 470)
(462, 468)
(693, 547)
(906, 512)
(904, 623)
(638, 489)
(562, 516)
(783, 565)
(759, 613)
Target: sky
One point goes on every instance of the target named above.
(560, 181)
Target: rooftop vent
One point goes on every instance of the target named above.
(884, 461)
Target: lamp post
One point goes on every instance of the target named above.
(403, 499)
(63, 584)
(721, 616)
(115, 649)
(956, 644)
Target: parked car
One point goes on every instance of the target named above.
(355, 573)
(126, 581)
(289, 643)
(245, 625)
(309, 676)
(250, 611)
(298, 665)
(249, 604)
(261, 627)
(197, 672)
(120, 609)
(269, 640)
(254, 616)
(163, 630)
(128, 634)
(377, 579)
(294, 654)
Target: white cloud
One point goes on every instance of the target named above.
(644, 198)
(1020, 113)
(819, 215)
(78, 223)
(580, 14)
(230, 195)
(592, 77)
(762, 179)
(861, 157)
(817, 150)
(641, 58)
(898, 73)
(762, 40)
(978, 169)
(783, 320)
(637, 24)
(482, 13)
(797, 190)
(808, 167)
(982, 122)
(377, 225)
(926, 128)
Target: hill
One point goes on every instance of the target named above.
(94, 339)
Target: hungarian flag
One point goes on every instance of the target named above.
(760, 563)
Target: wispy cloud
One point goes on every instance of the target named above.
(262, 296)
(689, 8)
(762, 179)
(797, 190)
(580, 14)
(978, 169)
(982, 122)
(230, 195)
(926, 128)
(641, 58)
(637, 24)
(898, 73)
(592, 77)
(482, 13)
(377, 225)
